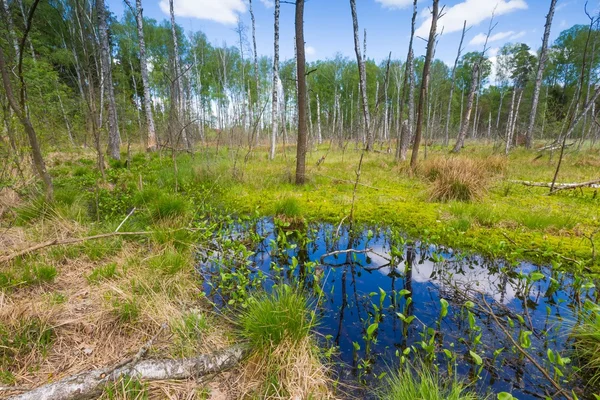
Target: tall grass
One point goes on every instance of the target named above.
(424, 384)
(271, 318)
(586, 344)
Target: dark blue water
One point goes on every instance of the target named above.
(354, 290)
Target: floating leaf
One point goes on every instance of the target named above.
(476, 357)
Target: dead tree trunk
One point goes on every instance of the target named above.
(362, 77)
(424, 84)
(275, 106)
(256, 72)
(301, 79)
(114, 137)
(460, 141)
(509, 123)
(453, 84)
(405, 131)
(540, 75)
(177, 93)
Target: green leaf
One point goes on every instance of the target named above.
(550, 355)
(525, 340)
(476, 357)
(444, 305)
(371, 329)
(505, 396)
(536, 276)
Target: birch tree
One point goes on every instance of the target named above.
(114, 136)
(151, 142)
(274, 101)
(540, 74)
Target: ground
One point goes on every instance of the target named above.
(69, 308)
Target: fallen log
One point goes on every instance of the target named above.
(560, 186)
(89, 384)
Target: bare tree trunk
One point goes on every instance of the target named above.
(177, 95)
(151, 143)
(424, 84)
(64, 114)
(301, 79)
(275, 106)
(114, 137)
(319, 135)
(363, 78)
(540, 74)
(405, 131)
(515, 118)
(453, 84)
(509, 123)
(256, 72)
(460, 141)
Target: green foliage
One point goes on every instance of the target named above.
(270, 318)
(97, 250)
(423, 383)
(105, 272)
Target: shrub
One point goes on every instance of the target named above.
(455, 179)
(425, 384)
(271, 318)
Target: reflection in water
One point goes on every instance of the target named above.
(414, 277)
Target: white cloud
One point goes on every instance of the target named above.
(473, 11)
(310, 51)
(510, 35)
(394, 3)
(268, 3)
(223, 11)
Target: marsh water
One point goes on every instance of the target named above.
(381, 299)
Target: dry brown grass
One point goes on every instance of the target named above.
(87, 332)
(292, 370)
(458, 178)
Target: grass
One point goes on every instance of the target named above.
(104, 272)
(168, 207)
(423, 383)
(288, 207)
(586, 344)
(22, 338)
(271, 318)
(460, 179)
(286, 361)
(188, 332)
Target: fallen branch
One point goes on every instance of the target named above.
(57, 242)
(338, 252)
(560, 186)
(90, 383)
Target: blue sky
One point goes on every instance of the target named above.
(328, 23)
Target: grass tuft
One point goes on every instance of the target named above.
(425, 384)
(288, 207)
(455, 179)
(168, 206)
(271, 318)
(105, 272)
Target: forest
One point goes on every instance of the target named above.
(181, 219)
